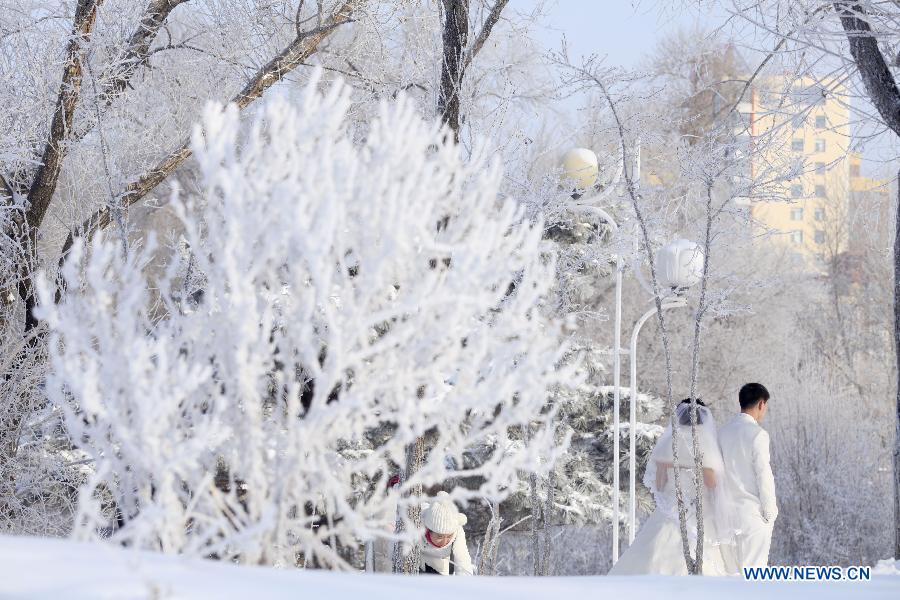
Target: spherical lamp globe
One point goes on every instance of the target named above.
(580, 165)
(679, 264)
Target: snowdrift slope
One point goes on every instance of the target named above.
(44, 569)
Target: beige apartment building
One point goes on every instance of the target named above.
(808, 128)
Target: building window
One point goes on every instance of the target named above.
(820, 191)
(797, 145)
(820, 168)
(796, 214)
(854, 170)
(821, 122)
(797, 190)
(797, 237)
(819, 214)
(820, 145)
(820, 236)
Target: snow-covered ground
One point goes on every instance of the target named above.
(39, 569)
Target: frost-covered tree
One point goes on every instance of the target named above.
(100, 100)
(341, 298)
(99, 97)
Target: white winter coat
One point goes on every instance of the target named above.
(456, 551)
(745, 450)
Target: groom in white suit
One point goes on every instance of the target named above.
(745, 450)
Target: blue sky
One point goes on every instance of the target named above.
(622, 30)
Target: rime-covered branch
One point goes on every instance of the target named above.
(137, 50)
(43, 186)
(292, 56)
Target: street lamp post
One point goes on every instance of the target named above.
(679, 266)
(617, 370)
(580, 165)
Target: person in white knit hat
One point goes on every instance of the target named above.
(444, 550)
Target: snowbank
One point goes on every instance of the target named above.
(888, 566)
(39, 569)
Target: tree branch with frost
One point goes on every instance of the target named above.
(43, 186)
(309, 379)
(782, 41)
(704, 157)
(137, 51)
(661, 320)
(293, 55)
(6, 189)
(490, 21)
(454, 37)
(871, 63)
(457, 54)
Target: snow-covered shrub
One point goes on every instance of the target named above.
(831, 459)
(355, 296)
(888, 566)
(583, 476)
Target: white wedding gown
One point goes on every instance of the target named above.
(657, 548)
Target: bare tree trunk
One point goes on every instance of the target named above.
(695, 370)
(410, 562)
(454, 38)
(456, 59)
(397, 556)
(40, 193)
(415, 511)
(882, 90)
(548, 520)
(47, 174)
(535, 525)
(487, 562)
(897, 352)
(484, 555)
(873, 68)
(495, 550)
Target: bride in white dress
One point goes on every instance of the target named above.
(657, 548)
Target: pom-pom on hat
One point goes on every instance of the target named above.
(442, 516)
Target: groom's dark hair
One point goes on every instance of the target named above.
(752, 393)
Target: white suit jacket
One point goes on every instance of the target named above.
(745, 450)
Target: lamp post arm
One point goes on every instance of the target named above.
(589, 208)
(632, 413)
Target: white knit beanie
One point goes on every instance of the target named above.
(442, 516)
